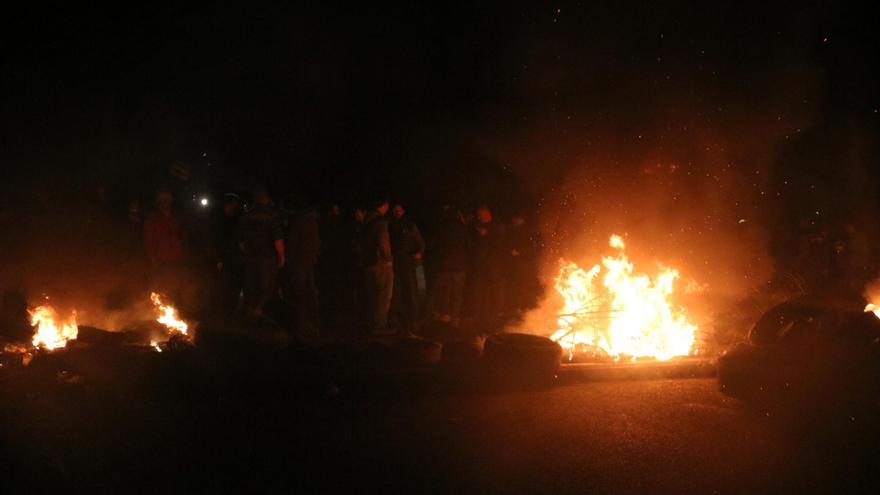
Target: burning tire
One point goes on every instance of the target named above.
(522, 358)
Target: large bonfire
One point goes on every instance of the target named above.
(626, 315)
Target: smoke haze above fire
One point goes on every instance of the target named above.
(667, 131)
(703, 132)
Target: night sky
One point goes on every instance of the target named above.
(709, 116)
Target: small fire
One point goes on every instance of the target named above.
(168, 315)
(52, 332)
(623, 313)
(873, 308)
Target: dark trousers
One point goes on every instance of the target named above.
(405, 301)
(302, 296)
(486, 294)
(230, 281)
(447, 295)
(260, 277)
(378, 286)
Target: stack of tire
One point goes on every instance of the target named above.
(518, 359)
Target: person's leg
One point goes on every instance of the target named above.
(456, 296)
(251, 285)
(313, 315)
(433, 302)
(445, 297)
(303, 299)
(293, 297)
(410, 295)
(370, 292)
(268, 275)
(229, 287)
(397, 311)
(384, 289)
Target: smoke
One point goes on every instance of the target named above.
(872, 292)
(662, 139)
(70, 249)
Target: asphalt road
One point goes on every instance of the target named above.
(661, 436)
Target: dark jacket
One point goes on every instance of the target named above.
(303, 241)
(406, 241)
(258, 229)
(450, 247)
(375, 242)
(488, 247)
(226, 240)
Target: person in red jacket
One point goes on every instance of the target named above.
(164, 246)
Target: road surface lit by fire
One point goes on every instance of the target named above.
(668, 436)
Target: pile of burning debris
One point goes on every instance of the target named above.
(53, 332)
(613, 314)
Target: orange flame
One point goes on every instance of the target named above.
(51, 332)
(623, 313)
(168, 315)
(873, 308)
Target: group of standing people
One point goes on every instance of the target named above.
(370, 273)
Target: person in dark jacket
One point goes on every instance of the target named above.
(408, 248)
(303, 244)
(376, 259)
(355, 275)
(522, 265)
(449, 252)
(486, 278)
(262, 244)
(229, 262)
(333, 269)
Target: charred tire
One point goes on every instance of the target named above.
(522, 358)
(414, 351)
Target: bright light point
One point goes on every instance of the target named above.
(203, 201)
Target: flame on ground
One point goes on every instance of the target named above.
(168, 315)
(873, 308)
(52, 332)
(623, 313)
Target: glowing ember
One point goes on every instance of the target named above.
(168, 315)
(155, 345)
(873, 308)
(623, 313)
(51, 332)
(14, 348)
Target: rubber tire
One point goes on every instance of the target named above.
(522, 358)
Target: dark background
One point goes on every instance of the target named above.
(587, 114)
